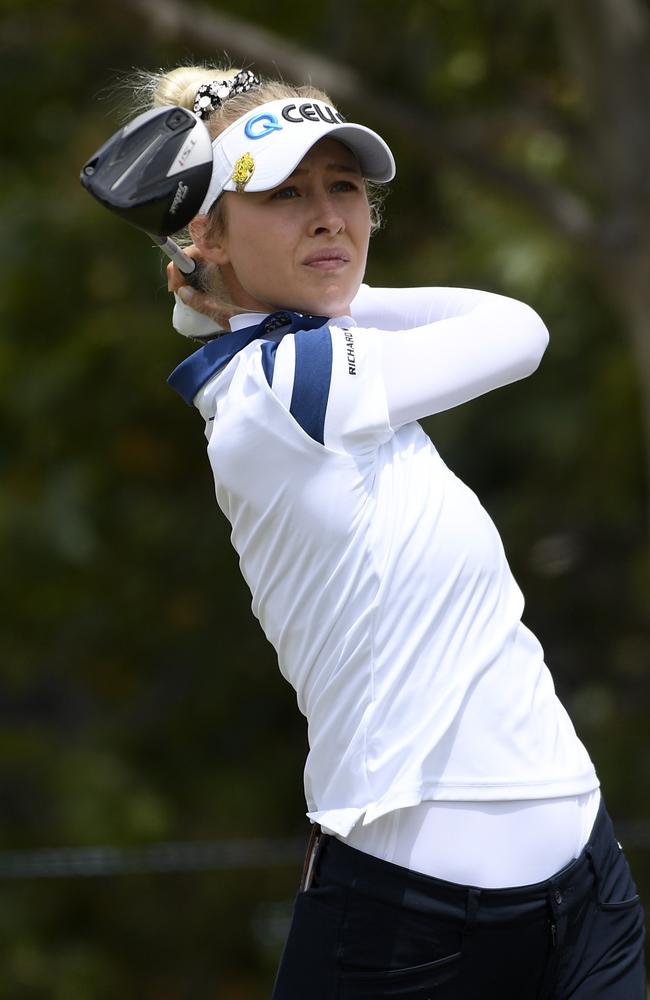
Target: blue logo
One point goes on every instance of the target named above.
(268, 123)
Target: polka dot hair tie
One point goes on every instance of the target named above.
(211, 96)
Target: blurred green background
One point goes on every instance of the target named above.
(141, 704)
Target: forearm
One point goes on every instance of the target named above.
(440, 365)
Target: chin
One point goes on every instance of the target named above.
(317, 307)
(329, 301)
(330, 306)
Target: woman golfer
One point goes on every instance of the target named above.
(463, 850)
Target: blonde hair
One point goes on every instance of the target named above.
(179, 87)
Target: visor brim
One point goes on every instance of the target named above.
(248, 161)
(273, 166)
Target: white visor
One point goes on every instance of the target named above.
(261, 149)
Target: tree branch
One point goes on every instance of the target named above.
(207, 28)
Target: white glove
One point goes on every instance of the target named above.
(190, 323)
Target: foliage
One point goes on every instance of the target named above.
(140, 700)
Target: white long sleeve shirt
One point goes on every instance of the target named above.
(374, 571)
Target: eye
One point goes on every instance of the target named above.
(285, 194)
(344, 186)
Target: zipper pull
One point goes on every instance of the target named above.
(553, 933)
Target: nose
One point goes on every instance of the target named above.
(326, 217)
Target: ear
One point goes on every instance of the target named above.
(208, 240)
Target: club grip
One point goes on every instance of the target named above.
(191, 268)
(194, 277)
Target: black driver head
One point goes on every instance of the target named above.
(155, 171)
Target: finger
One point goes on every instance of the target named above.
(175, 277)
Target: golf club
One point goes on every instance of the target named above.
(154, 172)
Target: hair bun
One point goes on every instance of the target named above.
(179, 86)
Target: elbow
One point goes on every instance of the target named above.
(539, 338)
(532, 339)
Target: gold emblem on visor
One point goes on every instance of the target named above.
(243, 171)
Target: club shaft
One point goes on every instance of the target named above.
(174, 252)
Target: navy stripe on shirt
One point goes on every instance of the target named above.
(188, 377)
(312, 379)
(269, 347)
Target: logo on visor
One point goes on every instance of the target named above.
(243, 171)
(260, 125)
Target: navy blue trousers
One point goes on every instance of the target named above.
(367, 929)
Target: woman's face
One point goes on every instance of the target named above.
(302, 245)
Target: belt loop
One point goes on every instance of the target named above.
(315, 839)
(471, 909)
(594, 869)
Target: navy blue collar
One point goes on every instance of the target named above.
(188, 377)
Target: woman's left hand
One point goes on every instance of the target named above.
(196, 312)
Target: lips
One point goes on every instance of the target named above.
(327, 258)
